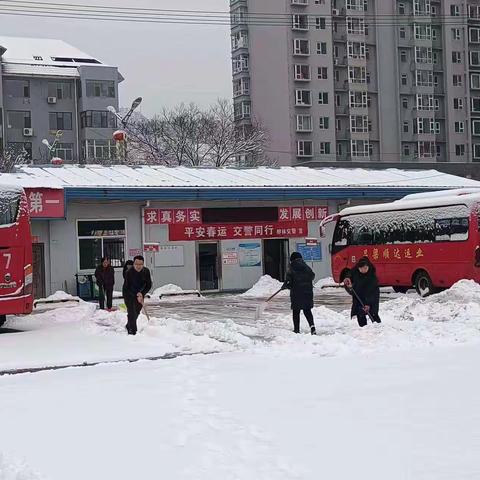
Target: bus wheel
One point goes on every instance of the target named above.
(423, 284)
(400, 289)
(3, 319)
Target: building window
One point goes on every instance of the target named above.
(64, 151)
(455, 10)
(403, 56)
(324, 123)
(457, 81)
(303, 98)
(476, 150)
(475, 81)
(99, 149)
(100, 238)
(356, 49)
(60, 90)
(459, 127)
(476, 104)
(458, 103)
(406, 150)
(456, 57)
(474, 11)
(356, 26)
(402, 32)
(357, 75)
(359, 124)
(405, 127)
(475, 127)
(358, 100)
(304, 148)
(460, 150)
(304, 123)
(475, 58)
(14, 88)
(456, 34)
(18, 120)
(401, 9)
(360, 148)
(325, 148)
(101, 88)
(21, 149)
(302, 72)
(405, 102)
(424, 78)
(301, 47)
(475, 35)
(323, 98)
(321, 48)
(299, 22)
(60, 120)
(338, 125)
(320, 23)
(322, 73)
(404, 79)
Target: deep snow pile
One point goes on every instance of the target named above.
(14, 470)
(165, 289)
(324, 282)
(265, 287)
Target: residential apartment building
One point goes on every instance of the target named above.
(337, 82)
(48, 86)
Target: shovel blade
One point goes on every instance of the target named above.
(260, 309)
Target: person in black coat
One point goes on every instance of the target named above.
(105, 277)
(138, 283)
(300, 283)
(363, 281)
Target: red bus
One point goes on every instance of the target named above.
(16, 273)
(427, 241)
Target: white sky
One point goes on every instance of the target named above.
(165, 64)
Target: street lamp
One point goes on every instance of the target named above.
(52, 146)
(120, 136)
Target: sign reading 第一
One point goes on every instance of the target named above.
(250, 254)
(46, 202)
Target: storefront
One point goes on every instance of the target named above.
(211, 230)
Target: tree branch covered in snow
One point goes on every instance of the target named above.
(187, 135)
(9, 158)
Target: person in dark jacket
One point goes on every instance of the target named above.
(105, 277)
(128, 265)
(300, 283)
(138, 283)
(363, 281)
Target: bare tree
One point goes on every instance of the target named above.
(231, 144)
(187, 135)
(9, 159)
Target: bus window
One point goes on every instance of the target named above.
(342, 235)
(451, 229)
(9, 209)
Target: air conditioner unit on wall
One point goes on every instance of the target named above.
(28, 132)
(52, 100)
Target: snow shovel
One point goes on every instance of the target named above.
(262, 306)
(145, 312)
(361, 304)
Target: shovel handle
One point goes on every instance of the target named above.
(274, 295)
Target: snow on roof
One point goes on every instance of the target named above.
(120, 176)
(39, 70)
(421, 202)
(42, 51)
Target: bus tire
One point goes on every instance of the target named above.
(400, 289)
(423, 284)
(3, 319)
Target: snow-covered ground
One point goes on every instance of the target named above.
(397, 400)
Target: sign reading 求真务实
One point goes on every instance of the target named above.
(46, 202)
(172, 216)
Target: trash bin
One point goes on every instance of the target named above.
(87, 288)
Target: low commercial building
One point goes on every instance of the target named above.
(206, 229)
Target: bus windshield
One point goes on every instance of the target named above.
(9, 206)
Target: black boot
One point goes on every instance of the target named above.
(312, 330)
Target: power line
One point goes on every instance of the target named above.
(196, 17)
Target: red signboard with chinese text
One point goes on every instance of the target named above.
(178, 232)
(46, 202)
(310, 214)
(179, 216)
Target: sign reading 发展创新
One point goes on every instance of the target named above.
(310, 214)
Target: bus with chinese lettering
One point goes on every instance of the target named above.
(426, 241)
(16, 274)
